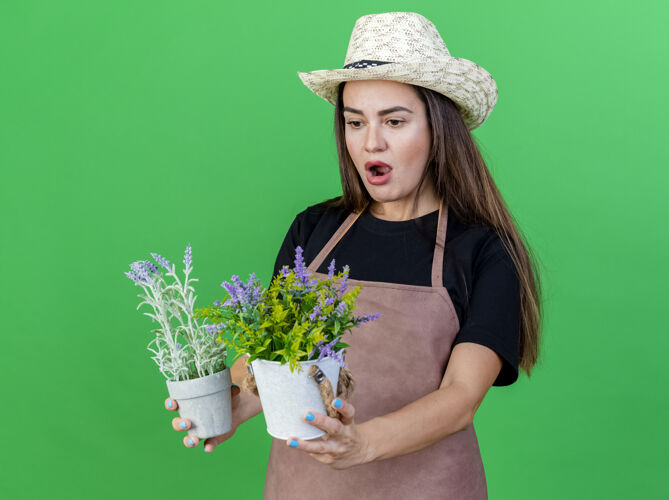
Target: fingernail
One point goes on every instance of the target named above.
(337, 403)
(293, 443)
(169, 404)
(310, 416)
(208, 448)
(182, 425)
(190, 442)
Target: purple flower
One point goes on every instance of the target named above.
(313, 315)
(214, 329)
(368, 317)
(300, 269)
(188, 257)
(162, 261)
(341, 309)
(331, 269)
(285, 271)
(133, 276)
(256, 294)
(243, 296)
(344, 281)
(229, 288)
(178, 346)
(141, 272)
(150, 266)
(326, 350)
(329, 301)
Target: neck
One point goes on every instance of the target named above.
(402, 209)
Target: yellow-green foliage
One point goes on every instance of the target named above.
(279, 327)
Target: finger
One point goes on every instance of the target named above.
(345, 409)
(311, 446)
(171, 404)
(191, 441)
(235, 390)
(211, 443)
(180, 424)
(323, 422)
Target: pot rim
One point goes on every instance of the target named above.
(310, 361)
(227, 368)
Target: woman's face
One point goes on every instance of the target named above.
(385, 121)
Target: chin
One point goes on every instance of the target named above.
(382, 197)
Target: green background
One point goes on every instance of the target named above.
(135, 127)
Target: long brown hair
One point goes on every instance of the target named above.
(460, 176)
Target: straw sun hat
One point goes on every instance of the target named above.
(406, 47)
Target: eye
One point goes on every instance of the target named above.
(397, 121)
(352, 122)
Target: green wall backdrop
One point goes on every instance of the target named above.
(135, 127)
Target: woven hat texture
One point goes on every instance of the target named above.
(406, 47)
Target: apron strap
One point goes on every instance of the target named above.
(348, 222)
(438, 258)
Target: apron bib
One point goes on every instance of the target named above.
(394, 360)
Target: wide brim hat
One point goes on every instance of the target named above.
(406, 47)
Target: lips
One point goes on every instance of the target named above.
(378, 172)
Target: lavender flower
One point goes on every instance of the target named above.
(331, 269)
(133, 277)
(162, 261)
(244, 296)
(368, 317)
(141, 272)
(341, 309)
(300, 269)
(326, 350)
(172, 305)
(315, 312)
(329, 301)
(188, 258)
(344, 281)
(214, 329)
(256, 294)
(150, 267)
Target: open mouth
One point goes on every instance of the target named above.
(378, 170)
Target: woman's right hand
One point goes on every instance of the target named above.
(182, 424)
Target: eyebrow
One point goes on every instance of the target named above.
(380, 113)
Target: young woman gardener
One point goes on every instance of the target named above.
(426, 232)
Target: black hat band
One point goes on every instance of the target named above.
(365, 63)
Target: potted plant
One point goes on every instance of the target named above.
(186, 350)
(296, 323)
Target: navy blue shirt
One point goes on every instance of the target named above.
(479, 274)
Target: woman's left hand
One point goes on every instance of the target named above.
(343, 446)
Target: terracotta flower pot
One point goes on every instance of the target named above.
(285, 396)
(206, 402)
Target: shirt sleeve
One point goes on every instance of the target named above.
(493, 313)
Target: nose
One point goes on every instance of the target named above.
(374, 141)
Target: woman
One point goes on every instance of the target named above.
(426, 232)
